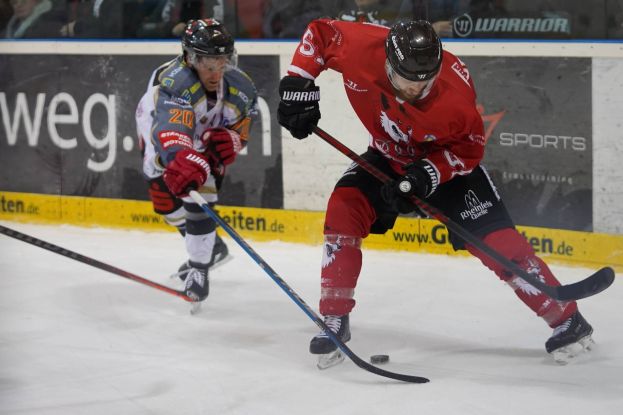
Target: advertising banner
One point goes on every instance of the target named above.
(537, 114)
(67, 128)
(298, 226)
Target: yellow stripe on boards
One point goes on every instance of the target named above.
(409, 234)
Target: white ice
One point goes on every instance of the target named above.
(78, 340)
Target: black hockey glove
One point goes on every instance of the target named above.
(298, 110)
(418, 180)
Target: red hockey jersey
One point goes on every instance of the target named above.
(443, 128)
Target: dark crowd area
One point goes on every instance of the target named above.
(287, 19)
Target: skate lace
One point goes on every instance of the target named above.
(194, 275)
(333, 322)
(562, 327)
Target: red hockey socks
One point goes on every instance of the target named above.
(341, 265)
(512, 245)
(348, 219)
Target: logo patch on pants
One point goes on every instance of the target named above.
(475, 208)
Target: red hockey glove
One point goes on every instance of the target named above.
(223, 144)
(187, 171)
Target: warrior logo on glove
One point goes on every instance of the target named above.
(298, 110)
(187, 171)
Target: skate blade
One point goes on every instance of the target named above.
(566, 354)
(328, 360)
(195, 307)
(221, 262)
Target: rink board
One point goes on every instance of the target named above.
(409, 234)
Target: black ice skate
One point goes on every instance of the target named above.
(321, 345)
(197, 283)
(220, 255)
(570, 339)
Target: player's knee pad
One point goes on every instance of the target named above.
(348, 213)
(508, 242)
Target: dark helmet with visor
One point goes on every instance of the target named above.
(414, 50)
(207, 37)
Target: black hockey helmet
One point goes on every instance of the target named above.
(414, 50)
(207, 37)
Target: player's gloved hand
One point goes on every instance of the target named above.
(187, 171)
(298, 110)
(416, 181)
(223, 144)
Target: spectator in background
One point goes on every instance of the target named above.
(168, 18)
(289, 18)
(32, 19)
(383, 12)
(97, 19)
(388, 12)
(439, 12)
(6, 11)
(245, 17)
(134, 18)
(614, 24)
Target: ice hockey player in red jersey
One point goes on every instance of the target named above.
(418, 103)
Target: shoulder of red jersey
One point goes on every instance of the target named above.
(326, 42)
(454, 69)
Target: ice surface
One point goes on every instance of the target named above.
(78, 340)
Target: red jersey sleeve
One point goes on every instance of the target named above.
(320, 48)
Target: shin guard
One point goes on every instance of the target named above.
(341, 264)
(348, 220)
(512, 245)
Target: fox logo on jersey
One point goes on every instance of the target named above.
(393, 130)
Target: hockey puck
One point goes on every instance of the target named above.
(379, 358)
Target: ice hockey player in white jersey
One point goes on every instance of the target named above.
(192, 121)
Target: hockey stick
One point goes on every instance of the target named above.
(90, 261)
(298, 300)
(595, 283)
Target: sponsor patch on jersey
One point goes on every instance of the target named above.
(168, 82)
(177, 70)
(235, 91)
(475, 208)
(461, 71)
(478, 139)
(174, 138)
(177, 101)
(350, 84)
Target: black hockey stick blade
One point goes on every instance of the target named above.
(362, 363)
(297, 299)
(592, 285)
(90, 261)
